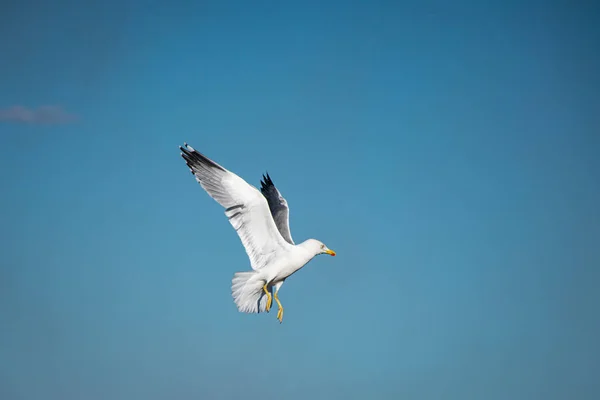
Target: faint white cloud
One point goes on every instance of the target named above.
(44, 115)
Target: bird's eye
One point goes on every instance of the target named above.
(322, 246)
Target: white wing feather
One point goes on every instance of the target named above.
(245, 207)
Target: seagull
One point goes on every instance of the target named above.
(261, 220)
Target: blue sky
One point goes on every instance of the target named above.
(447, 152)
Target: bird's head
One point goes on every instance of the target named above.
(319, 247)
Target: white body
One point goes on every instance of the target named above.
(247, 287)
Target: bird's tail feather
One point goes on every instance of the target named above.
(247, 291)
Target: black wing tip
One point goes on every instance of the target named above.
(191, 155)
(184, 149)
(266, 181)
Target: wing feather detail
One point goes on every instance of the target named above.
(278, 206)
(245, 207)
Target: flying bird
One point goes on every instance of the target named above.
(261, 220)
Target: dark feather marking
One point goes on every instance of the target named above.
(234, 215)
(234, 207)
(277, 207)
(195, 156)
(266, 183)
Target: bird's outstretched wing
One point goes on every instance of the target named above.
(278, 206)
(245, 207)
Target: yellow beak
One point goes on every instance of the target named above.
(330, 252)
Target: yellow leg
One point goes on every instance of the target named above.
(280, 312)
(269, 299)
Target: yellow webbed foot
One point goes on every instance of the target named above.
(280, 312)
(269, 298)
